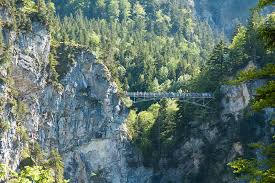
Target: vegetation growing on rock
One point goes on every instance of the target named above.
(257, 169)
(148, 46)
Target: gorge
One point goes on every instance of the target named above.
(58, 93)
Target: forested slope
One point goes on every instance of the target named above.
(162, 46)
(149, 46)
(168, 46)
(154, 45)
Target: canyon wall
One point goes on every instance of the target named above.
(82, 117)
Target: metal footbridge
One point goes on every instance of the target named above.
(199, 99)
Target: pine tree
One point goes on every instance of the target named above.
(125, 9)
(42, 10)
(139, 11)
(113, 10)
(217, 64)
(57, 165)
(260, 170)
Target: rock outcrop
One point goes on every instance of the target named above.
(83, 119)
(85, 122)
(209, 145)
(24, 76)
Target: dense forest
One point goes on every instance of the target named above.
(152, 45)
(160, 46)
(145, 48)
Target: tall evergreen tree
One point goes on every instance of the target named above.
(113, 10)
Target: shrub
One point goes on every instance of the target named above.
(4, 125)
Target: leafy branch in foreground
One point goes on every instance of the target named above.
(257, 170)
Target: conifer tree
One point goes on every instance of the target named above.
(260, 170)
(125, 9)
(217, 64)
(113, 10)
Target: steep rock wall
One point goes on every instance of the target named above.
(24, 74)
(83, 119)
(208, 146)
(85, 122)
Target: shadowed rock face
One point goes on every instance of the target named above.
(208, 146)
(224, 15)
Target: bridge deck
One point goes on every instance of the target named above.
(152, 95)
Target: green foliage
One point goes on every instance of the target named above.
(265, 96)
(19, 109)
(139, 11)
(56, 163)
(217, 64)
(264, 73)
(260, 170)
(140, 130)
(267, 30)
(153, 130)
(29, 7)
(264, 3)
(22, 133)
(3, 172)
(167, 125)
(4, 125)
(37, 168)
(113, 9)
(239, 39)
(132, 125)
(52, 64)
(125, 9)
(35, 174)
(36, 153)
(23, 12)
(5, 58)
(241, 165)
(256, 170)
(135, 42)
(94, 40)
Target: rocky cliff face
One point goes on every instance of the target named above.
(83, 119)
(85, 122)
(23, 73)
(209, 145)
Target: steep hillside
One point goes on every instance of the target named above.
(63, 110)
(223, 16)
(81, 116)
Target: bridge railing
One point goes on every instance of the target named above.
(168, 95)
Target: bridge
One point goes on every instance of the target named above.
(199, 99)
